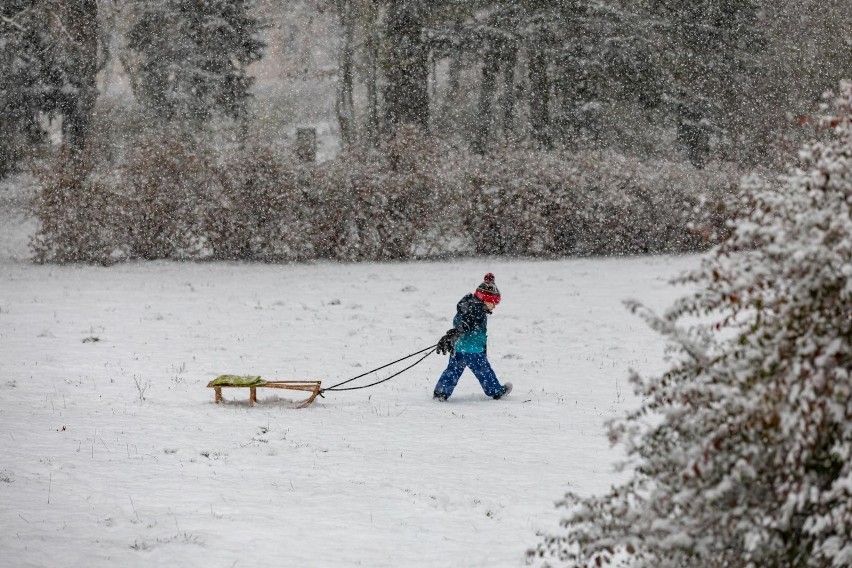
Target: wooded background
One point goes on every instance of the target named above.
(727, 83)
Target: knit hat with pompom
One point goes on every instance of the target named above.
(487, 291)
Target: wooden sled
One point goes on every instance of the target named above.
(254, 383)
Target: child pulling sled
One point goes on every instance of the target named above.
(466, 343)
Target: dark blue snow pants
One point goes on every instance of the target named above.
(481, 368)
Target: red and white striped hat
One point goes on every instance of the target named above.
(487, 291)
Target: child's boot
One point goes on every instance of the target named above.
(507, 388)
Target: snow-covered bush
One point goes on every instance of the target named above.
(167, 187)
(76, 211)
(369, 205)
(259, 211)
(741, 451)
(417, 197)
(177, 194)
(594, 203)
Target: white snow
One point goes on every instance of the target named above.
(93, 475)
(16, 224)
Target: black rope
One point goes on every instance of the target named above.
(429, 350)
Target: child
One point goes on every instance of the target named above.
(465, 343)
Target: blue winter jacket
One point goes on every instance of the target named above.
(471, 320)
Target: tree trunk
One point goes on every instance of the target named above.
(406, 94)
(373, 41)
(490, 69)
(450, 111)
(78, 21)
(509, 93)
(306, 144)
(453, 79)
(344, 105)
(539, 95)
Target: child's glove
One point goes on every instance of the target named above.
(447, 344)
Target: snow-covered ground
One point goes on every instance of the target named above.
(16, 223)
(113, 453)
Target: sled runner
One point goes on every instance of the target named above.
(253, 383)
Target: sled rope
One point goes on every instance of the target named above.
(429, 350)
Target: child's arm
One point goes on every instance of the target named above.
(469, 315)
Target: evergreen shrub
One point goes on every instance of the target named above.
(738, 455)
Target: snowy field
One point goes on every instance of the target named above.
(113, 453)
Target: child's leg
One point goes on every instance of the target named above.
(450, 377)
(480, 366)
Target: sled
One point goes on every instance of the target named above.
(253, 383)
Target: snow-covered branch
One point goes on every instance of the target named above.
(746, 462)
(13, 23)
